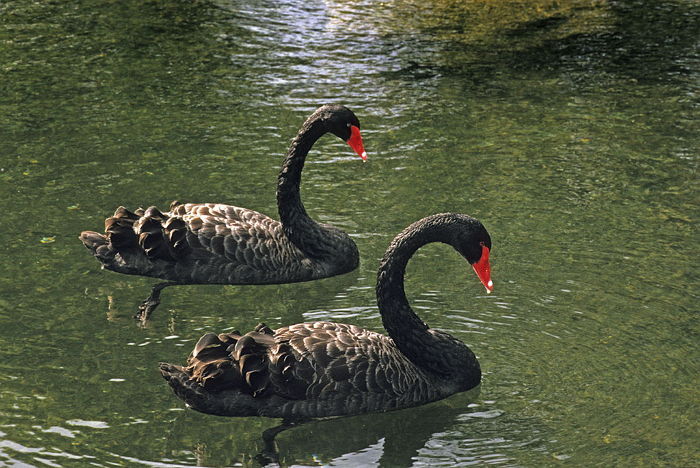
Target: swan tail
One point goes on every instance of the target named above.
(118, 237)
(230, 402)
(233, 361)
(226, 374)
(98, 244)
(134, 241)
(160, 236)
(117, 249)
(184, 387)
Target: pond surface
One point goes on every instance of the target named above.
(571, 131)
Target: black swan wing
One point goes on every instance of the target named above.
(307, 361)
(199, 243)
(236, 235)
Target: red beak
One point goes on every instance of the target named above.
(355, 142)
(483, 269)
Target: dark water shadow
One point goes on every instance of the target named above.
(645, 42)
(651, 42)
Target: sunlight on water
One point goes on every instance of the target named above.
(568, 128)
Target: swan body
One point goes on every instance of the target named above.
(322, 369)
(209, 243)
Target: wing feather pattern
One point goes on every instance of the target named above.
(199, 243)
(308, 362)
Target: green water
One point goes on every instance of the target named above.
(569, 129)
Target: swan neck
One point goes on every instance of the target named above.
(399, 319)
(295, 221)
(434, 351)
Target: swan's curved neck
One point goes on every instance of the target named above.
(429, 349)
(403, 325)
(296, 223)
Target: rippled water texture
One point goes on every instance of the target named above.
(569, 128)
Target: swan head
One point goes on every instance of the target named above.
(343, 123)
(473, 242)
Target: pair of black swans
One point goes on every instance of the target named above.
(305, 370)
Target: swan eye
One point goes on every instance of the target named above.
(348, 124)
(481, 243)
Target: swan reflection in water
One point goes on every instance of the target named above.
(394, 438)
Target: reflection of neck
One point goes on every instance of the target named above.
(297, 225)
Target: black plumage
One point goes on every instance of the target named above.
(210, 243)
(324, 369)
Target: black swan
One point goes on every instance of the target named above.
(211, 243)
(323, 369)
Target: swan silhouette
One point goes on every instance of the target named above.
(211, 243)
(322, 369)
